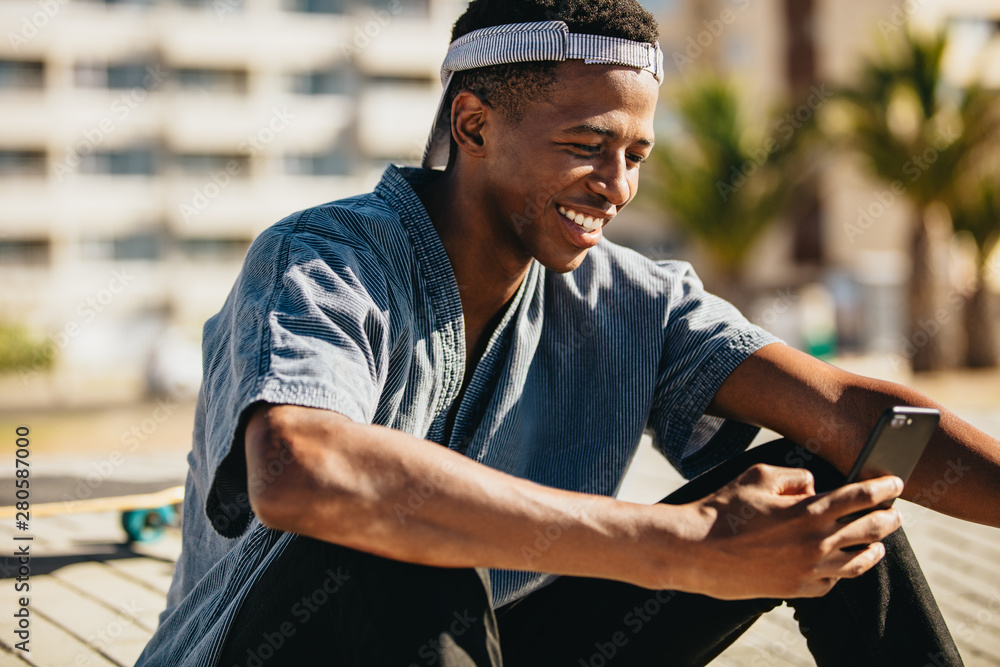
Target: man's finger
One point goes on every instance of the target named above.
(865, 530)
(860, 496)
(851, 564)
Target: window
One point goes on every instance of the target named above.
(213, 248)
(213, 80)
(22, 163)
(401, 80)
(419, 8)
(205, 164)
(24, 251)
(318, 6)
(128, 161)
(144, 245)
(22, 74)
(118, 76)
(128, 75)
(320, 82)
(334, 162)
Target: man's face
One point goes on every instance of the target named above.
(562, 173)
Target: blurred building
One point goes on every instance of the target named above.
(145, 143)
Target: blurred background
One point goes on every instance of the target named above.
(830, 166)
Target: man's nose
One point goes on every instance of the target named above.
(610, 180)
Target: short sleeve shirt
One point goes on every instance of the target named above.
(352, 306)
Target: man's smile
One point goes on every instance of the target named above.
(589, 223)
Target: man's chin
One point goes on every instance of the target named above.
(563, 264)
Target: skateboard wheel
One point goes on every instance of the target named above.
(147, 525)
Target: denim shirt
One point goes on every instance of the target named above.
(352, 306)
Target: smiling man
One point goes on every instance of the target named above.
(419, 403)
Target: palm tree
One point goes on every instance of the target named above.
(720, 180)
(978, 213)
(920, 136)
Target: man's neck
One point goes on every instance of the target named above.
(488, 266)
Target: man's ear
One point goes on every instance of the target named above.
(468, 115)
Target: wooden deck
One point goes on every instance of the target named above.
(95, 601)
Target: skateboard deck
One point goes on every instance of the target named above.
(144, 515)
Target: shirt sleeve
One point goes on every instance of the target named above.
(706, 338)
(306, 324)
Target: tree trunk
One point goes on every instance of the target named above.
(924, 344)
(980, 326)
(806, 211)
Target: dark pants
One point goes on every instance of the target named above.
(322, 604)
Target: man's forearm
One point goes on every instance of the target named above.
(959, 472)
(386, 492)
(830, 413)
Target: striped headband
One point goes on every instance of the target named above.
(528, 42)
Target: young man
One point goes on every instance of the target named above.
(419, 403)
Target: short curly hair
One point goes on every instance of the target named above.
(507, 87)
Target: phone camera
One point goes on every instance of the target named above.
(899, 421)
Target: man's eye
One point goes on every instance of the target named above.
(635, 157)
(587, 148)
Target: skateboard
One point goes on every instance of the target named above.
(144, 515)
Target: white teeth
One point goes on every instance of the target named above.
(585, 221)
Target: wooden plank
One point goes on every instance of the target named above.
(152, 573)
(51, 646)
(9, 657)
(106, 585)
(171, 496)
(115, 634)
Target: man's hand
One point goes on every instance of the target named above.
(768, 534)
(830, 412)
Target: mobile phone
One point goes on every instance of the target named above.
(894, 447)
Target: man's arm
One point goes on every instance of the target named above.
(386, 492)
(831, 412)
